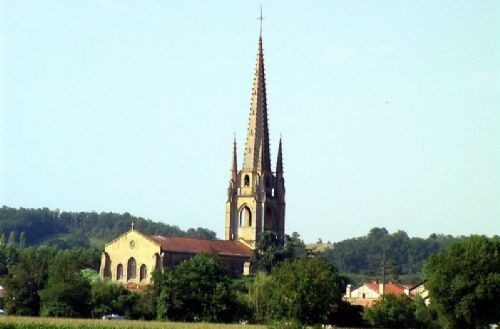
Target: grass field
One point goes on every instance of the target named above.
(59, 323)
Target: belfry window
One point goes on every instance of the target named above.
(143, 272)
(246, 180)
(119, 272)
(245, 217)
(131, 268)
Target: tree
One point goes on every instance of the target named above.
(8, 257)
(25, 279)
(12, 239)
(294, 246)
(425, 316)
(464, 283)
(67, 293)
(305, 290)
(22, 240)
(196, 290)
(392, 312)
(270, 251)
(2, 239)
(259, 294)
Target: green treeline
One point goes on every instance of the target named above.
(28, 227)
(396, 256)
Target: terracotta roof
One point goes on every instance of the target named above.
(195, 246)
(389, 288)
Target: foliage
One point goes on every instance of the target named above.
(398, 254)
(196, 290)
(464, 283)
(12, 238)
(25, 278)
(22, 240)
(105, 295)
(67, 293)
(348, 315)
(8, 257)
(259, 294)
(303, 290)
(77, 229)
(425, 316)
(392, 311)
(270, 251)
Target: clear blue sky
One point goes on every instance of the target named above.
(389, 110)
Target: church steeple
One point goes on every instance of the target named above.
(258, 131)
(256, 201)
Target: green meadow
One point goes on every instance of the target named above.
(64, 323)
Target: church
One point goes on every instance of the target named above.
(255, 203)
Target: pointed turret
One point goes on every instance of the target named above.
(233, 174)
(234, 164)
(279, 161)
(257, 131)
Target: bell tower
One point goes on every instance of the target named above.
(256, 194)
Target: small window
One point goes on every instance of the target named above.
(131, 268)
(246, 180)
(119, 272)
(143, 272)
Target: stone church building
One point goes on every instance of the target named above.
(255, 203)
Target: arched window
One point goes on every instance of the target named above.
(131, 268)
(106, 270)
(143, 273)
(246, 180)
(245, 217)
(119, 272)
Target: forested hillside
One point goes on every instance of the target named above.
(27, 227)
(395, 256)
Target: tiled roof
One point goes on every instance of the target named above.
(389, 288)
(195, 246)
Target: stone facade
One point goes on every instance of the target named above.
(124, 257)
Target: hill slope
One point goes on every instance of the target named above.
(396, 256)
(79, 229)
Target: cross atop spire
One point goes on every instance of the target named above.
(260, 18)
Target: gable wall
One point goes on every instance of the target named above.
(132, 244)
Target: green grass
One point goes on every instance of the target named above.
(61, 323)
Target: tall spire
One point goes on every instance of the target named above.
(257, 131)
(279, 161)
